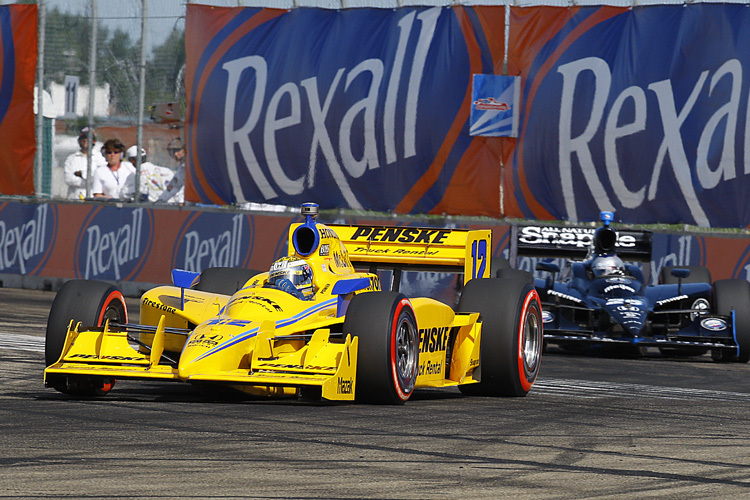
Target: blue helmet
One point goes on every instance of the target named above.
(297, 271)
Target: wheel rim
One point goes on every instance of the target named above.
(114, 312)
(532, 341)
(406, 353)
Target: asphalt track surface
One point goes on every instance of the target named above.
(592, 427)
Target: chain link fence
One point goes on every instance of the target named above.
(101, 47)
(131, 55)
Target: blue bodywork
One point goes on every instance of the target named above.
(620, 308)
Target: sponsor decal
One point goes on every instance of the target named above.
(671, 299)
(114, 243)
(577, 237)
(401, 235)
(324, 250)
(547, 317)
(433, 339)
(628, 301)
(344, 386)
(430, 368)
(714, 324)
(619, 287)
(326, 232)
(158, 305)
(565, 296)
(396, 251)
(267, 304)
(299, 367)
(214, 240)
(113, 358)
(205, 340)
(26, 242)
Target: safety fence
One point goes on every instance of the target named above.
(636, 108)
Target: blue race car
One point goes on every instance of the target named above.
(601, 301)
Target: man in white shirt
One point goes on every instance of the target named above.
(76, 165)
(175, 192)
(154, 179)
(116, 180)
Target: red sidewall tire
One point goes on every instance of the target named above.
(531, 312)
(511, 338)
(388, 354)
(402, 387)
(91, 303)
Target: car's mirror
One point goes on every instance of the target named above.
(680, 273)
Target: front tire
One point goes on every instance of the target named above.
(734, 294)
(91, 303)
(388, 353)
(512, 335)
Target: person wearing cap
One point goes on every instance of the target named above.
(154, 179)
(175, 191)
(115, 180)
(76, 165)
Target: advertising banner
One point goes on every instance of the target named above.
(18, 57)
(640, 111)
(355, 108)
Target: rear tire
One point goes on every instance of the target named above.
(512, 335)
(388, 352)
(224, 280)
(698, 274)
(515, 274)
(735, 294)
(91, 303)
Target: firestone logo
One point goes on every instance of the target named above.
(114, 243)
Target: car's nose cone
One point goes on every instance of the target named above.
(628, 313)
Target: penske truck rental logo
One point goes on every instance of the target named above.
(401, 235)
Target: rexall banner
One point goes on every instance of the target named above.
(360, 108)
(18, 56)
(640, 111)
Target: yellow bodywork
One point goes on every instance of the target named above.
(267, 342)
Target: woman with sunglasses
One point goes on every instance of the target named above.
(116, 180)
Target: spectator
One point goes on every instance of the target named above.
(116, 180)
(154, 179)
(175, 192)
(76, 165)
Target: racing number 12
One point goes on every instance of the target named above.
(479, 254)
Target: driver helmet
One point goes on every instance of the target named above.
(297, 271)
(608, 265)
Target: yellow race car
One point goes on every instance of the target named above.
(313, 326)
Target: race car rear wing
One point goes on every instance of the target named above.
(575, 242)
(419, 248)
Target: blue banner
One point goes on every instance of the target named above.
(359, 108)
(640, 111)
